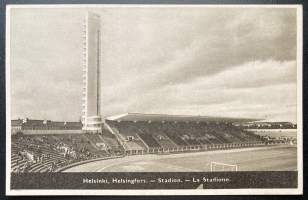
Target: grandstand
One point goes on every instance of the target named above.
(44, 146)
(34, 124)
(47, 152)
(146, 133)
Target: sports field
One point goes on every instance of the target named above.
(276, 158)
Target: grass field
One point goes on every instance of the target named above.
(275, 158)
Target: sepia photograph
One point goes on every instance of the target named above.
(154, 99)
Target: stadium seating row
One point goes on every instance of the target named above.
(43, 153)
(153, 137)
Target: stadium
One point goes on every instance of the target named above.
(137, 142)
(143, 142)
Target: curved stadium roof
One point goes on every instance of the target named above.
(165, 117)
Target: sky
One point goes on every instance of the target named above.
(228, 62)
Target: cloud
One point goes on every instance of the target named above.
(215, 39)
(209, 61)
(254, 89)
(251, 75)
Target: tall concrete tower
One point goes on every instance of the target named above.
(91, 118)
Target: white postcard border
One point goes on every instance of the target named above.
(120, 192)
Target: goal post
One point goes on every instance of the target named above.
(219, 167)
